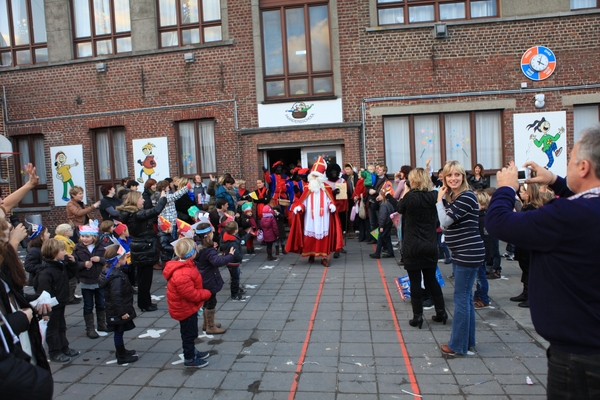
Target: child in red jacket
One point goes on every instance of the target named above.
(185, 296)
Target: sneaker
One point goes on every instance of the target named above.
(480, 304)
(61, 358)
(195, 363)
(203, 355)
(427, 304)
(238, 297)
(493, 275)
(71, 353)
(241, 291)
(387, 255)
(374, 255)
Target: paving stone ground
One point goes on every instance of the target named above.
(360, 345)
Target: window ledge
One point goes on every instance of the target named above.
(296, 99)
(31, 209)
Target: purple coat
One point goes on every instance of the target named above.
(268, 224)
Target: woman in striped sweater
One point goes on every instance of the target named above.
(458, 212)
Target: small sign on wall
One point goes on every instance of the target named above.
(68, 171)
(300, 113)
(151, 160)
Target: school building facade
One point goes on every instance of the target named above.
(214, 86)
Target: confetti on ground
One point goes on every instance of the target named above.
(250, 286)
(153, 333)
(413, 394)
(205, 335)
(529, 381)
(180, 361)
(156, 298)
(100, 333)
(268, 267)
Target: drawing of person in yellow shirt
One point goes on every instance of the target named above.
(63, 172)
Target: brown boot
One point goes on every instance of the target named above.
(211, 328)
(101, 318)
(276, 250)
(204, 323)
(90, 329)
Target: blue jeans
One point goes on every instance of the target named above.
(482, 287)
(463, 323)
(235, 272)
(90, 297)
(572, 376)
(189, 332)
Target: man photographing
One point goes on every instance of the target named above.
(564, 278)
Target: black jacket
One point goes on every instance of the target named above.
(82, 254)
(419, 215)
(144, 246)
(208, 262)
(118, 296)
(147, 195)
(108, 208)
(227, 242)
(182, 206)
(166, 249)
(54, 279)
(33, 262)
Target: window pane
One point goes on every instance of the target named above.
(207, 147)
(212, 34)
(82, 18)
(211, 10)
(275, 89)
(489, 138)
(388, 1)
(575, 4)
(190, 36)
(188, 148)
(322, 85)
(120, 153)
(169, 39)
(189, 11)
(84, 50)
(102, 17)
(299, 86)
(122, 17)
(296, 40)
(20, 22)
(485, 8)
(39, 21)
(25, 158)
(5, 59)
(42, 195)
(103, 155)
(123, 45)
(39, 159)
(41, 55)
(319, 38)
(168, 13)
(458, 138)
(427, 136)
(390, 16)
(420, 14)
(273, 43)
(103, 47)
(397, 143)
(584, 117)
(452, 11)
(23, 57)
(4, 33)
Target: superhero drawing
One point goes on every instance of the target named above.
(547, 141)
(148, 164)
(63, 172)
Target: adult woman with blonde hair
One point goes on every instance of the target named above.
(144, 241)
(419, 247)
(458, 213)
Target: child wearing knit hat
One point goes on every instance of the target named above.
(247, 224)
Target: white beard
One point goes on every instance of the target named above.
(316, 182)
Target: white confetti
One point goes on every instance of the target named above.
(205, 335)
(250, 286)
(156, 298)
(179, 361)
(414, 394)
(102, 333)
(268, 267)
(529, 381)
(153, 333)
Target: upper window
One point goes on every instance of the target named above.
(22, 33)
(110, 161)
(197, 148)
(584, 117)
(470, 138)
(394, 12)
(297, 51)
(185, 22)
(579, 4)
(102, 27)
(30, 149)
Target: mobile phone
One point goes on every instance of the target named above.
(524, 174)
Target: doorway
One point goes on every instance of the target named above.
(290, 158)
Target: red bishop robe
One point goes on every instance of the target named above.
(307, 237)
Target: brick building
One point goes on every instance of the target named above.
(231, 86)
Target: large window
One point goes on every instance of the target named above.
(584, 117)
(30, 149)
(394, 12)
(469, 137)
(579, 4)
(22, 33)
(102, 27)
(297, 51)
(197, 153)
(110, 158)
(185, 22)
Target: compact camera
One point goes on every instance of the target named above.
(524, 174)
